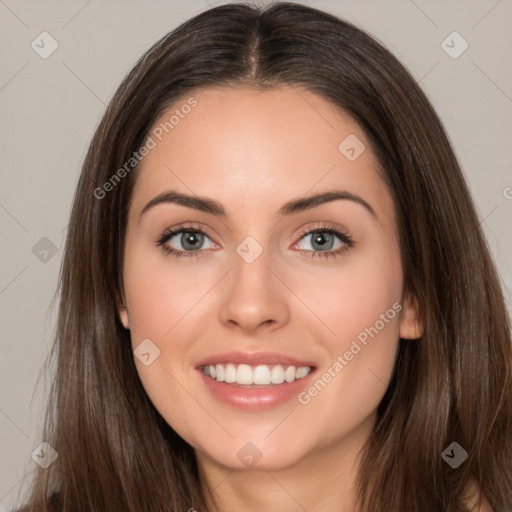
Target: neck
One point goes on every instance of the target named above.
(323, 480)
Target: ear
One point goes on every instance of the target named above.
(410, 325)
(123, 313)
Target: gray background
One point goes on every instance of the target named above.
(50, 107)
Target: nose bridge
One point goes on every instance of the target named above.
(252, 263)
(253, 296)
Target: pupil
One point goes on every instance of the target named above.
(321, 239)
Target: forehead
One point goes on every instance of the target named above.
(257, 145)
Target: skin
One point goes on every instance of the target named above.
(253, 151)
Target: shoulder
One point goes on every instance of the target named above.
(476, 499)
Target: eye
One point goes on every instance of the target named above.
(188, 241)
(322, 239)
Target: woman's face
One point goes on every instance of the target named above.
(261, 290)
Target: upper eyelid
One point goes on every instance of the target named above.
(324, 225)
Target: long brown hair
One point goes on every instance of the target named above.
(454, 384)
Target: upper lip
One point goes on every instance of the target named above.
(253, 359)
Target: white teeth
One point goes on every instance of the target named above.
(230, 373)
(259, 375)
(302, 372)
(277, 374)
(289, 374)
(244, 374)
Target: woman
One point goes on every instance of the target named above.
(275, 291)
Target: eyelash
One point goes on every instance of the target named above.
(344, 237)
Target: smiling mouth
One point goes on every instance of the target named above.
(255, 376)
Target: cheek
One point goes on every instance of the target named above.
(161, 299)
(159, 293)
(351, 298)
(361, 306)
(364, 300)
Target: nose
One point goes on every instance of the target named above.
(254, 297)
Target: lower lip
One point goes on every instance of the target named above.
(253, 398)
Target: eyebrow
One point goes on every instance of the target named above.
(207, 205)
